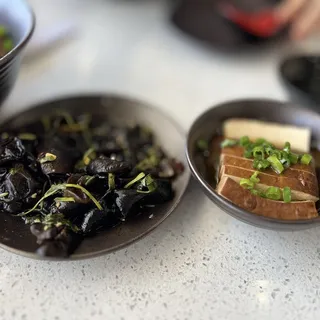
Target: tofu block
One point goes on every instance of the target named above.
(278, 134)
(300, 189)
(238, 151)
(243, 198)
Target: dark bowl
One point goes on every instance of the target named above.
(16, 237)
(210, 123)
(204, 21)
(19, 19)
(301, 76)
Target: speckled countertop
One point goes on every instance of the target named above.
(200, 263)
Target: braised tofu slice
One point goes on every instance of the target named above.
(231, 190)
(238, 151)
(300, 189)
(244, 163)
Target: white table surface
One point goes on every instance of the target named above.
(200, 263)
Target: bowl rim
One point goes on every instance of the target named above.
(23, 42)
(39, 104)
(226, 205)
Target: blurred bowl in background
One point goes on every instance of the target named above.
(230, 25)
(19, 20)
(301, 76)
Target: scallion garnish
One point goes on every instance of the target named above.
(248, 153)
(254, 178)
(287, 147)
(275, 164)
(89, 155)
(135, 180)
(293, 158)
(286, 194)
(251, 182)
(264, 154)
(268, 149)
(261, 164)
(57, 220)
(244, 141)
(273, 193)
(56, 188)
(260, 141)
(27, 136)
(247, 183)
(64, 199)
(7, 44)
(149, 183)
(306, 159)
(48, 157)
(258, 152)
(3, 31)
(228, 143)
(111, 181)
(202, 145)
(255, 192)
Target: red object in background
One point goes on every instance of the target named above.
(263, 23)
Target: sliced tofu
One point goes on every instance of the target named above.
(243, 198)
(238, 151)
(300, 189)
(278, 134)
(244, 163)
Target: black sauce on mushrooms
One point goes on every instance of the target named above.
(71, 177)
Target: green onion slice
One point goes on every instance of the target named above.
(8, 44)
(293, 158)
(111, 181)
(287, 147)
(255, 192)
(202, 145)
(286, 194)
(3, 31)
(247, 184)
(244, 141)
(260, 141)
(273, 193)
(276, 164)
(248, 153)
(228, 143)
(261, 164)
(48, 157)
(149, 183)
(135, 180)
(258, 152)
(306, 159)
(27, 136)
(254, 178)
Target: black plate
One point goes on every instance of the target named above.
(16, 237)
(211, 122)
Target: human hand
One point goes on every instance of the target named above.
(303, 15)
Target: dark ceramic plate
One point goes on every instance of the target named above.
(210, 122)
(16, 237)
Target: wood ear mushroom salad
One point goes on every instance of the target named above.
(276, 182)
(71, 177)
